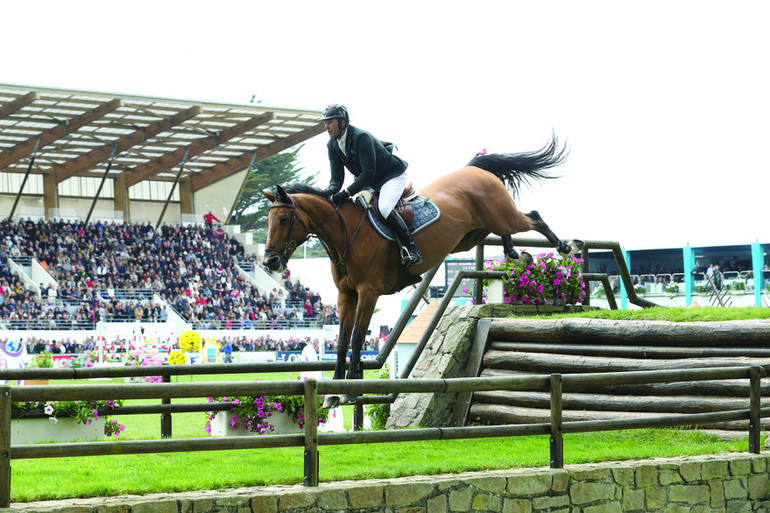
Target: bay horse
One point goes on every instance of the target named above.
(474, 202)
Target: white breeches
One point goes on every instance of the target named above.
(390, 193)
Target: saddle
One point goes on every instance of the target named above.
(417, 211)
(367, 198)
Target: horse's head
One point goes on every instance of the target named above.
(286, 231)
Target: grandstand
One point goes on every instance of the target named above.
(103, 199)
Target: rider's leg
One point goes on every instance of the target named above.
(390, 193)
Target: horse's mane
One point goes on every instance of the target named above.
(515, 169)
(303, 188)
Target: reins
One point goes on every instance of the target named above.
(291, 244)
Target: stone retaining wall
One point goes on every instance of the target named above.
(726, 483)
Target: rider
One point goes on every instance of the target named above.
(374, 165)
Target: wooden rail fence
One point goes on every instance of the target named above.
(311, 439)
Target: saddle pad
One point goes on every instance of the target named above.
(425, 213)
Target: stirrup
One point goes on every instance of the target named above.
(408, 258)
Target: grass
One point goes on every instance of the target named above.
(58, 478)
(661, 313)
(61, 478)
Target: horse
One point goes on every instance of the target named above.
(474, 201)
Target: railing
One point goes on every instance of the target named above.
(556, 384)
(620, 262)
(45, 324)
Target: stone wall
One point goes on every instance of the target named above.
(725, 483)
(446, 356)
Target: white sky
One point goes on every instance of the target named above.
(664, 104)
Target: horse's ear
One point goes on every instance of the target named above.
(270, 197)
(281, 195)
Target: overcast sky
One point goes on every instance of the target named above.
(664, 105)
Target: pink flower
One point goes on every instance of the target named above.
(234, 421)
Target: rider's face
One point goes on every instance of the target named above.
(332, 127)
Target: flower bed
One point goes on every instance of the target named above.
(67, 413)
(27, 431)
(261, 415)
(548, 281)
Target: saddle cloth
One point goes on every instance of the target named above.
(425, 213)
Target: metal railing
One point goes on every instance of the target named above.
(556, 384)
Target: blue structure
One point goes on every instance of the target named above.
(749, 260)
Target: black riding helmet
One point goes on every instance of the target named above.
(335, 111)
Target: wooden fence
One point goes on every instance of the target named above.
(310, 439)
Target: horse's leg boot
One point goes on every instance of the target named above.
(331, 401)
(570, 248)
(410, 255)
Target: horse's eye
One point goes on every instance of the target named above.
(283, 218)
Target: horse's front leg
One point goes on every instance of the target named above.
(367, 300)
(346, 308)
(513, 256)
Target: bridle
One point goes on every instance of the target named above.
(291, 244)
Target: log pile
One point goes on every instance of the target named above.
(567, 346)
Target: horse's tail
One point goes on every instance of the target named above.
(515, 169)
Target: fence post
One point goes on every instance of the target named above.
(557, 442)
(165, 418)
(5, 446)
(755, 424)
(358, 416)
(311, 433)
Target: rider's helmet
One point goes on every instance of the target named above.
(335, 111)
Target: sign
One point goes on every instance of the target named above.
(294, 356)
(452, 267)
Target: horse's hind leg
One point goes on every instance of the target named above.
(563, 247)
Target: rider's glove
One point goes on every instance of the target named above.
(328, 192)
(340, 197)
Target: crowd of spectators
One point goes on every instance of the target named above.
(111, 271)
(68, 345)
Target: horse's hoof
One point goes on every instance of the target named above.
(330, 402)
(523, 259)
(570, 248)
(349, 399)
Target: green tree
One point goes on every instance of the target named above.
(280, 169)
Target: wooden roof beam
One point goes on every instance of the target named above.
(166, 162)
(18, 104)
(236, 164)
(90, 159)
(26, 148)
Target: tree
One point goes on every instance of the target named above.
(252, 207)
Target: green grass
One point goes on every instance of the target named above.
(58, 478)
(662, 313)
(141, 474)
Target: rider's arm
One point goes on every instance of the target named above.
(338, 170)
(366, 155)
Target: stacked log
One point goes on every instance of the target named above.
(567, 346)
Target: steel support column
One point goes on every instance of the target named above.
(173, 188)
(101, 184)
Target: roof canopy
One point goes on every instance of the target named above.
(78, 133)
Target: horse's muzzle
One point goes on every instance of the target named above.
(274, 262)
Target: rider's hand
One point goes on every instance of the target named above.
(328, 192)
(340, 197)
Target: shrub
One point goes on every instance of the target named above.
(379, 413)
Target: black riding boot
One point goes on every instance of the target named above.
(410, 255)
